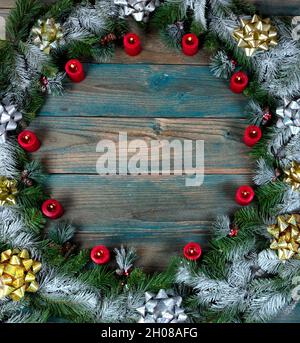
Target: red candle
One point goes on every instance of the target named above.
(238, 82)
(252, 135)
(132, 44)
(75, 71)
(190, 43)
(52, 209)
(192, 251)
(100, 254)
(29, 141)
(244, 195)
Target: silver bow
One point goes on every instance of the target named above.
(162, 308)
(139, 9)
(289, 116)
(9, 116)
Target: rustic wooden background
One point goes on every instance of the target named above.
(159, 94)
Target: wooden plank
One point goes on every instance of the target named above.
(69, 144)
(146, 211)
(293, 317)
(115, 90)
(277, 7)
(156, 52)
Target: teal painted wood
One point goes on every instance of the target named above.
(116, 90)
(69, 144)
(157, 215)
(293, 317)
(120, 204)
(278, 7)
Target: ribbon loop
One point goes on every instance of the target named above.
(18, 274)
(286, 233)
(255, 34)
(9, 117)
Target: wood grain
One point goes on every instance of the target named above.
(144, 211)
(117, 90)
(69, 144)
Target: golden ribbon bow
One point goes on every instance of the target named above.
(17, 274)
(8, 191)
(256, 33)
(293, 175)
(46, 34)
(286, 233)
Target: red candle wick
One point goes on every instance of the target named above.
(189, 41)
(99, 253)
(192, 251)
(131, 40)
(26, 139)
(73, 68)
(245, 194)
(239, 79)
(51, 207)
(253, 133)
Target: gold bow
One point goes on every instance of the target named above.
(46, 34)
(293, 175)
(286, 236)
(17, 274)
(256, 33)
(8, 191)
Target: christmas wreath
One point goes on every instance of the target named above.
(251, 272)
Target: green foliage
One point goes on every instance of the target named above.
(254, 91)
(60, 9)
(33, 103)
(61, 232)
(34, 219)
(197, 28)
(168, 13)
(30, 197)
(118, 26)
(101, 278)
(169, 41)
(52, 254)
(241, 7)
(214, 264)
(35, 171)
(247, 219)
(21, 18)
(211, 43)
(7, 58)
(143, 282)
(260, 149)
(64, 308)
(74, 264)
(270, 196)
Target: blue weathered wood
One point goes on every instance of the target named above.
(157, 214)
(69, 144)
(293, 317)
(116, 90)
(278, 7)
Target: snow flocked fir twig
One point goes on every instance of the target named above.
(241, 278)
